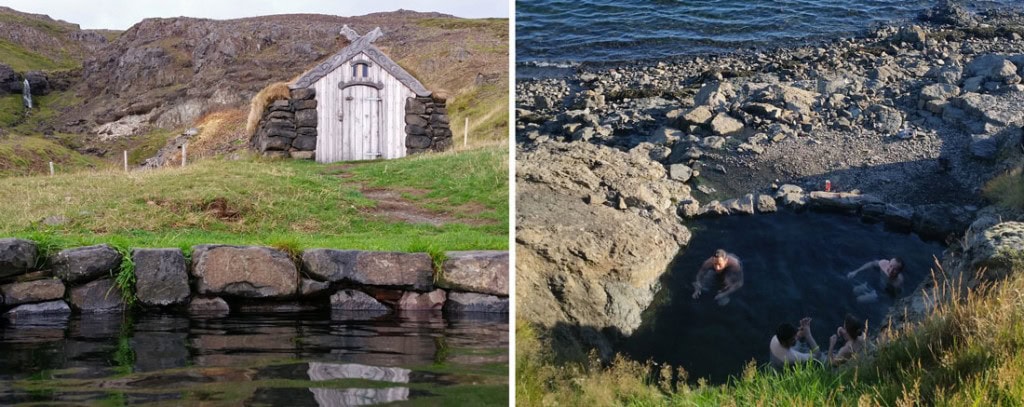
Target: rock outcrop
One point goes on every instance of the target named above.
(595, 229)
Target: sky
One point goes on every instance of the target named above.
(121, 14)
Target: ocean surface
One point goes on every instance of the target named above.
(564, 33)
(795, 266)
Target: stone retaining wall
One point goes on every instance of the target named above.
(223, 279)
(932, 221)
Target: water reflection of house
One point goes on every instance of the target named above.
(357, 397)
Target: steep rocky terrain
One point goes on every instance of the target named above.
(37, 42)
(171, 71)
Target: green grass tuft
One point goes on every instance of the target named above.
(1007, 190)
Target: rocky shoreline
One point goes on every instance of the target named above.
(920, 115)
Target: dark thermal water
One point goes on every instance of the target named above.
(795, 265)
(281, 359)
(567, 32)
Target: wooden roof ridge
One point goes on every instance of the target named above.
(363, 44)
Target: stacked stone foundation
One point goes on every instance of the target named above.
(288, 127)
(225, 279)
(426, 125)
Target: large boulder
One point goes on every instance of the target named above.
(476, 271)
(585, 169)
(250, 271)
(101, 295)
(84, 264)
(472, 302)
(725, 125)
(995, 249)
(939, 221)
(161, 276)
(400, 270)
(355, 300)
(32, 291)
(17, 256)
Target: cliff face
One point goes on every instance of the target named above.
(171, 71)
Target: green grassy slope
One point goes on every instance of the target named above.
(20, 156)
(297, 204)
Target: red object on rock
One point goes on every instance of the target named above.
(828, 186)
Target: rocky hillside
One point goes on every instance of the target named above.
(31, 42)
(169, 72)
(119, 90)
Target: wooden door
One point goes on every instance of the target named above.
(361, 120)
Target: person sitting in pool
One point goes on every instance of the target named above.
(891, 271)
(855, 341)
(784, 349)
(727, 268)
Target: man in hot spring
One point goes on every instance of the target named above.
(724, 267)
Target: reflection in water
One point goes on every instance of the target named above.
(358, 397)
(330, 371)
(275, 359)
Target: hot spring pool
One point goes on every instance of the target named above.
(794, 264)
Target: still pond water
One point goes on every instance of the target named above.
(795, 265)
(315, 359)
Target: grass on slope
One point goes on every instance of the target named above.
(486, 106)
(23, 60)
(45, 109)
(296, 204)
(21, 156)
(970, 351)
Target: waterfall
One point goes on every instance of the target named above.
(26, 95)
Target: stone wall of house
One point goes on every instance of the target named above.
(426, 125)
(227, 279)
(288, 127)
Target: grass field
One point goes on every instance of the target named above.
(968, 352)
(294, 204)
